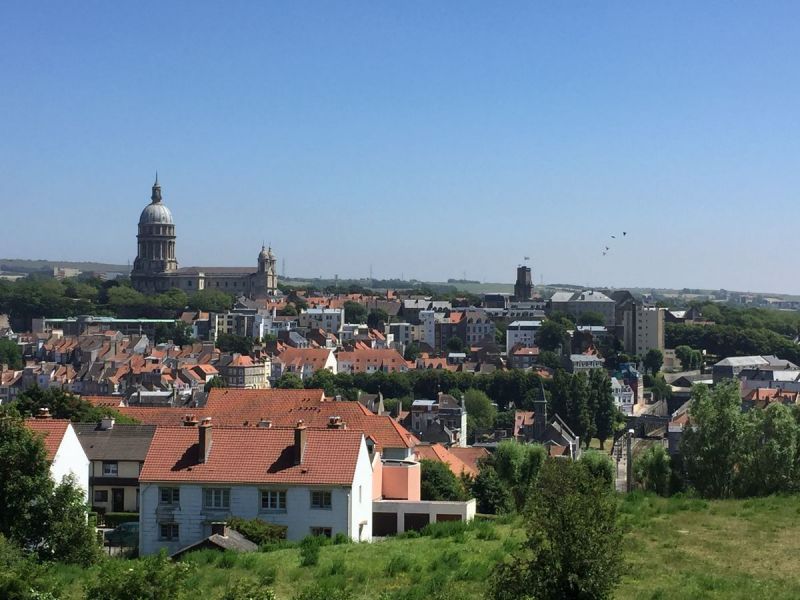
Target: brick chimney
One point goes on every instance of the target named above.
(190, 421)
(300, 437)
(107, 423)
(336, 423)
(205, 439)
(44, 413)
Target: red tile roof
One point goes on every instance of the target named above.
(439, 453)
(52, 432)
(253, 455)
(470, 455)
(113, 401)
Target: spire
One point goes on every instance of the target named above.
(156, 195)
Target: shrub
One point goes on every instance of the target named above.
(599, 465)
(154, 577)
(258, 531)
(309, 550)
(442, 529)
(399, 563)
(245, 589)
(653, 471)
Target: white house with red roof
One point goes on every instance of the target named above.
(313, 481)
(64, 451)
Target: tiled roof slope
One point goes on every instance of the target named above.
(52, 432)
(253, 455)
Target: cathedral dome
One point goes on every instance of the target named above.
(156, 213)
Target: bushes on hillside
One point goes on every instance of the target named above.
(154, 577)
(439, 483)
(258, 531)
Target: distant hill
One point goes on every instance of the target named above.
(19, 265)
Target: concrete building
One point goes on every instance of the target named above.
(584, 363)
(643, 328)
(241, 371)
(329, 320)
(156, 269)
(521, 333)
(579, 303)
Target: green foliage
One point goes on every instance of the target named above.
(455, 344)
(377, 317)
(592, 318)
(290, 310)
(10, 354)
(411, 351)
(70, 537)
(573, 545)
(215, 382)
(52, 519)
(552, 336)
(690, 359)
(258, 531)
(247, 589)
(517, 466)
(653, 360)
(210, 300)
(310, 548)
(229, 342)
(325, 592)
(114, 519)
(289, 381)
(63, 405)
(652, 470)
(154, 577)
(479, 408)
(491, 493)
(711, 447)
(179, 332)
(21, 578)
(354, 312)
(606, 416)
(439, 483)
(600, 466)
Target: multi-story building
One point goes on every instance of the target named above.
(643, 328)
(584, 363)
(196, 476)
(116, 454)
(241, 371)
(579, 303)
(445, 415)
(521, 333)
(329, 320)
(523, 288)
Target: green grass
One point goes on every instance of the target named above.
(679, 548)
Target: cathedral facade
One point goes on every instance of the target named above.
(156, 270)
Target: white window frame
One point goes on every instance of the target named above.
(217, 498)
(323, 495)
(272, 501)
(174, 496)
(107, 472)
(173, 533)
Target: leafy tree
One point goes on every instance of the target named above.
(173, 300)
(21, 577)
(660, 387)
(290, 381)
(769, 460)
(592, 318)
(229, 342)
(10, 354)
(439, 483)
(322, 379)
(573, 547)
(210, 300)
(179, 332)
(377, 317)
(549, 359)
(606, 413)
(711, 447)
(290, 310)
(480, 408)
(491, 493)
(653, 360)
(37, 514)
(63, 405)
(411, 352)
(690, 358)
(215, 382)
(518, 466)
(70, 537)
(652, 470)
(552, 336)
(154, 577)
(599, 466)
(354, 312)
(455, 344)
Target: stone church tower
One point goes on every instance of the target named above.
(266, 270)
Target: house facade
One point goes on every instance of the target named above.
(312, 481)
(64, 451)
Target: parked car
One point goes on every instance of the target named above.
(125, 534)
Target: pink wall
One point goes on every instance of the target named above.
(377, 476)
(401, 481)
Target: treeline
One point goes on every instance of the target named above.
(731, 340)
(34, 297)
(725, 452)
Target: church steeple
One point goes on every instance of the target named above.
(156, 195)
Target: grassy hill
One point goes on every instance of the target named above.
(675, 549)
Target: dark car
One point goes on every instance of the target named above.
(125, 534)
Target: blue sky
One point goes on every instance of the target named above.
(424, 139)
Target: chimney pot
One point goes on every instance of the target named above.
(220, 528)
(300, 437)
(204, 439)
(44, 413)
(107, 423)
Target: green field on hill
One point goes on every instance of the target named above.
(674, 548)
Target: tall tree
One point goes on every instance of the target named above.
(606, 413)
(711, 447)
(653, 360)
(573, 547)
(437, 482)
(552, 336)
